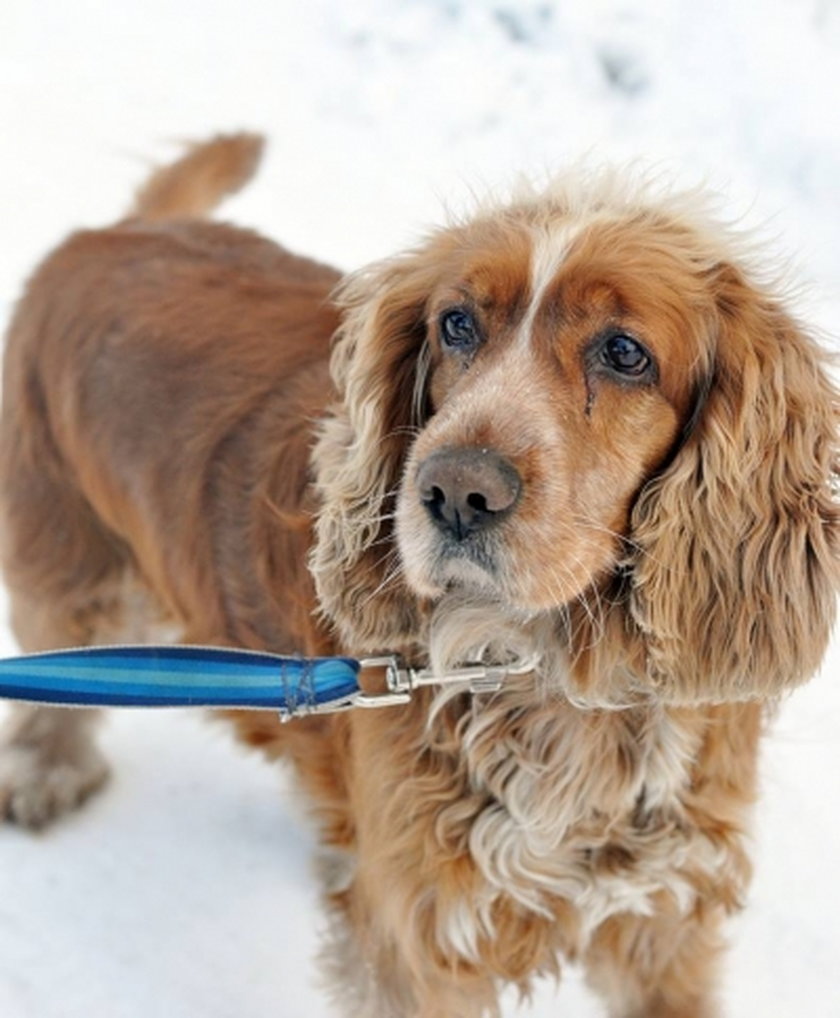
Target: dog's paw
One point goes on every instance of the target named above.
(36, 789)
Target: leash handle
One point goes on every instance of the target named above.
(181, 676)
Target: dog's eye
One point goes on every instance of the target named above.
(459, 330)
(625, 355)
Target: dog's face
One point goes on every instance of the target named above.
(580, 401)
(560, 375)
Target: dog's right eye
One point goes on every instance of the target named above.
(459, 330)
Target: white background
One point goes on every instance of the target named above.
(185, 891)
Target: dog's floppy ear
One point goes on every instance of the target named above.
(378, 369)
(736, 575)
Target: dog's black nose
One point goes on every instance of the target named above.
(467, 489)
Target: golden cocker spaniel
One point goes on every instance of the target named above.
(576, 430)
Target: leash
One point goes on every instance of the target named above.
(217, 677)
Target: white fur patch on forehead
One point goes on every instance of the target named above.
(550, 245)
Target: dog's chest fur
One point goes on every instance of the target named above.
(591, 808)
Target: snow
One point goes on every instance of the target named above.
(186, 889)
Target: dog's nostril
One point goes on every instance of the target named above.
(477, 501)
(434, 499)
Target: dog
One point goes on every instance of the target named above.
(578, 432)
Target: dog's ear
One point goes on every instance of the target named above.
(735, 578)
(378, 366)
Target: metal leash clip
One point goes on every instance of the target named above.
(402, 681)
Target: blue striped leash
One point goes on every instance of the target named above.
(186, 676)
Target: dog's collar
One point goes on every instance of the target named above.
(185, 676)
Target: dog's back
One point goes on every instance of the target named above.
(143, 365)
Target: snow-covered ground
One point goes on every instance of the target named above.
(185, 891)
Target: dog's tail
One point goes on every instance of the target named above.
(194, 184)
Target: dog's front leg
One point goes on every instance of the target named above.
(387, 954)
(49, 763)
(371, 974)
(658, 966)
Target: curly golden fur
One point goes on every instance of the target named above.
(575, 430)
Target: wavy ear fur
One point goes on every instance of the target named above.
(736, 577)
(377, 368)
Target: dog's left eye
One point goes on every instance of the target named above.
(625, 355)
(459, 330)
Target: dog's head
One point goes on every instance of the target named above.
(583, 408)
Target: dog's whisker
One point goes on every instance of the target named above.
(625, 540)
(391, 574)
